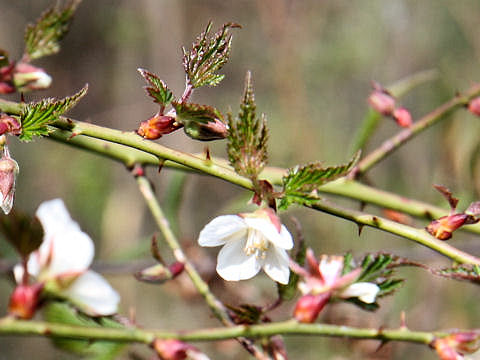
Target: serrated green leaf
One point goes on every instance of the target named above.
(158, 90)
(288, 291)
(247, 136)
(43, 37)
(301, 183)
(36, 116)
(207, 56)
(60, 312)
(200, 122)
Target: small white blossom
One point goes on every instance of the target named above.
(62, 261)
(250, 242)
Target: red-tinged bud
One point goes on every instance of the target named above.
(8, 174)
(474, 106)
(9, 124)
(159, 273)
(177, 350)
(27, 77)
(452, 347)
(157, 126)
(24, 300)
(214, 129)
(397, 216)
(382, 102)
(6, 88)
(309, 306)
(443, 227)
(402, 117)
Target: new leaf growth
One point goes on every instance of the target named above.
(36, 116)
(158, 90)
(301, 183)
(207, 56)
(43, 37)
(247, 136)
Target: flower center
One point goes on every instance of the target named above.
(256, 244)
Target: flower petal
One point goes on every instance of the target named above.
(222, 229)
(276, 265)
(364, 291)
(233, 264)
(92, 294)
(54, 216)
(281, 239)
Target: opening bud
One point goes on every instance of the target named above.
(8, 174)
(157, 126)
(27, 78)
(309, 306)
(443, 227)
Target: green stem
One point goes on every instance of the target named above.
(10, 326)
(389, 145)
(417, 235)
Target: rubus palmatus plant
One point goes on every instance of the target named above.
(54, 292)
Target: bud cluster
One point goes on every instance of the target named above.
(383, 102)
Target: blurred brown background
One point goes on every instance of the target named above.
(312, 63)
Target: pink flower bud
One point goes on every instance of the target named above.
(474, 106)
(443, 227)
(382, 102)
(177, 350)
(402, 117)
(9, 124)
(24, 300)
(8, 173)
(309, 306)
(27, 78)
(157, 126)
(6, 88)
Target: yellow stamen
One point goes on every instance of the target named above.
(256, 244)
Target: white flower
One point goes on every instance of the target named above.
(62, 261)
(364, 291)
(251, 242)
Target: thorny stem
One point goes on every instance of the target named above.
(389, 145)
(9, 325)
(202, 287)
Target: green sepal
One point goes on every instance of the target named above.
(43, 37)
(207, 56)
(36, 116)
(300, 185)
(158, 90)
(60, 312)
(247, 136)
(201, 122)
(246, 314)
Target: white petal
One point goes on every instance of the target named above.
(281, 239)
(276, 265)
(54, 216)
(233, 264)
(222, 229)
(72, 251)
(92, 294)
(364, 291)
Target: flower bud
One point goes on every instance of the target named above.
(9, 124)
(24, 300)
(214, 129)
(402, 117)
(27, 77)
(159, 273)
(157, 126)
(452, 347)
(177, 350)
(309, 306)
(6, 88)
(474, 106)
(8, 173)
(382, 102)
(443, 227)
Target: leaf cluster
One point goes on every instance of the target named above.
(247, 136)
(378, 269)
(300, 185)
(36, 116)
(43, 37)
(208, 55)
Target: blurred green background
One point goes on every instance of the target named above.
(312, 62)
